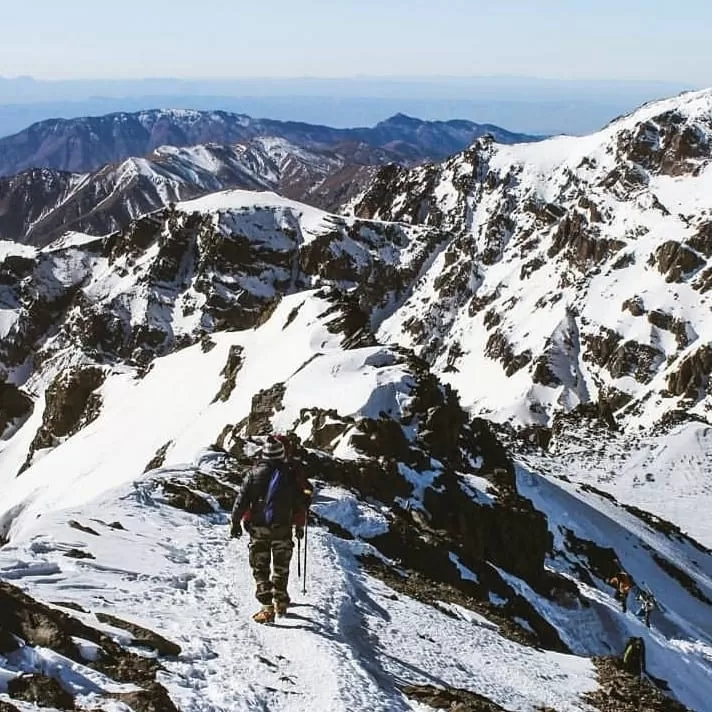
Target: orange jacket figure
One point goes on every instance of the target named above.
(622, 582)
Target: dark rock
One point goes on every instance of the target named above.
(264, 405)
(7, 707)
(142, 636)
(326, 426)
(183, 497)
(350, 320)
(70, 404)
(675, 261)
(79, 554)
(157, 460)
(153, 698)
(39, 625)
(234, 363)
(15, 406)
(666, 321)
(603, 562)
(528, 268)
(40, 690)
(581, 241)
(635, 359)
(703, 283)
(702, 240)
(450, 698)
(619, 691)
(692, 378)
(498, 348)
(224, 494)
(74, 524)
(634, 305)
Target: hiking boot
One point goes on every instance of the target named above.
(264, 615)
(280, 608)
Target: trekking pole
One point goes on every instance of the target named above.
(304, 579)
(299, 558)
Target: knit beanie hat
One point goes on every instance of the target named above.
(273, 449)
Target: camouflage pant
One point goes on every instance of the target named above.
(271, 548)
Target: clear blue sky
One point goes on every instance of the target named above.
(572, 39)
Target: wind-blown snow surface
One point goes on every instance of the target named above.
(353, 641)
(345, 646)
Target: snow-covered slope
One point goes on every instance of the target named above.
(578, 270)
(358, 638)
(140, 371)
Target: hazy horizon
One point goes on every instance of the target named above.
(518, 103)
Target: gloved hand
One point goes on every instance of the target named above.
(299, 532)
(236, 530)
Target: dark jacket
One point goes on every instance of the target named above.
(634, 656)
(290, 504)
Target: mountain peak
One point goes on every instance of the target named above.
(401, 120)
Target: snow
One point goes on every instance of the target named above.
(9, 248)
(346, 510)
(340, 648)
(351, 640)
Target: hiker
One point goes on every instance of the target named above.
(647, 604)
(270, 501)
(623, 584)
(634, 656)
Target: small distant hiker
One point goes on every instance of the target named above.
(634, 656)
(623, 585)
(270, 501)
(647, 605)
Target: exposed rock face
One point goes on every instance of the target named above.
(692, 379)
(264, 405)
(450, 699)
(538, 241)
(676, 261)
(15, 405)
(36, 624)
(622, 692)
(71, 402)
(40, 690)
(232, 368)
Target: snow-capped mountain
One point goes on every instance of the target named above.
(40, 205)
(85, 144)
(451, 563)
(577, 272)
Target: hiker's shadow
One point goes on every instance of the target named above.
(305, 624)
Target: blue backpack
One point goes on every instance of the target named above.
(274, 499)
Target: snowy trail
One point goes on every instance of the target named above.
(194, 585)
(348, 644)
(274, 667)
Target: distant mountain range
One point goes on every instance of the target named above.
(85, 144)
(38, 205)
(96, 174)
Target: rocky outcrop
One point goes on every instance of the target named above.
(232, 367)
(71, 403)
(450, 698)
(692, 378)
(676, 261)
(264, 405)
(36, 624)
(620, 691)
(499, 349)
(15, 406)
(40, 690)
